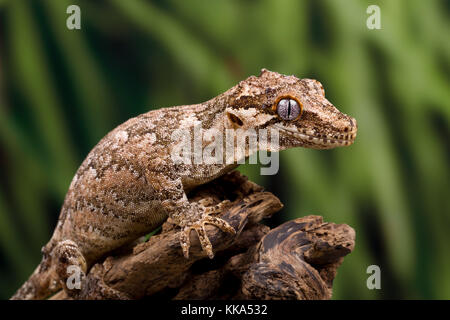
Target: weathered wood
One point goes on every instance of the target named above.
(297, 260)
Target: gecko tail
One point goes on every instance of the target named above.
(40, 285)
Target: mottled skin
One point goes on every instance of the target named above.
(128, 184)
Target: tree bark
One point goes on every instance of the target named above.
(296, 260)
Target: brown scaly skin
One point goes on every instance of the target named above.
(128, 184)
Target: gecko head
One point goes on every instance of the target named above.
(296, 108)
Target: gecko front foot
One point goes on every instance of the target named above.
(197, 221)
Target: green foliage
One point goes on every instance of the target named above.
(62, 90)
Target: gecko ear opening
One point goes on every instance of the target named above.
(234, 119)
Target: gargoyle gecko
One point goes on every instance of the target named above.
(128, 184)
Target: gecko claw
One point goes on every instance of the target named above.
(199, 227)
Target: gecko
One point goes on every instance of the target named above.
(129, 184)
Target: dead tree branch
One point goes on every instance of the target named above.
(297, 260)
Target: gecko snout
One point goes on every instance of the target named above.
(351, 129)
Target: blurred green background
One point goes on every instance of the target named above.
(62, 90)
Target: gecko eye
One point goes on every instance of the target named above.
(289, 109)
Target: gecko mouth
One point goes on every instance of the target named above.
(329, 140)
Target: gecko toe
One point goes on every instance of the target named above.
(198, 221)
(204, 240)
(185, 241)
(212, 209)
(221, 224)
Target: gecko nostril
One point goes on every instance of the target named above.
(353, 124)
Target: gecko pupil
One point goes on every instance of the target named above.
(288, 109)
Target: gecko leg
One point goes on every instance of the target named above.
(71, 270)
(189, 216)
(70, 266)
(211, 208)
(195, 216)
